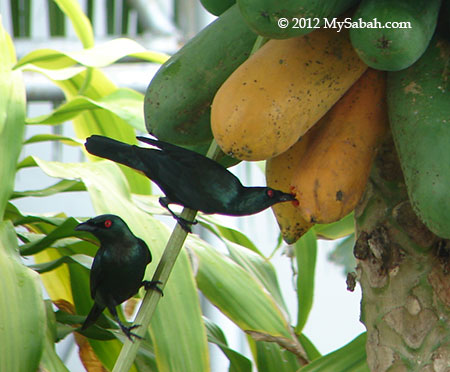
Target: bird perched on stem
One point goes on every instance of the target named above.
(118, 267)
(188, 178)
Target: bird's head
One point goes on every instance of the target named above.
(105, 227)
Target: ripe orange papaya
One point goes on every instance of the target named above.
(333, 172)
(278, 93)
(279, 173)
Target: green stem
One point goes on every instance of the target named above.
(151, 298)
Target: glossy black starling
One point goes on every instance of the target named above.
(118, 267)
(188, 178)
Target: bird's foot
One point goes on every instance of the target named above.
(185, 224)
(128, 333)
(153, 284)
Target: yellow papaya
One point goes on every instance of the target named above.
(283, 89)
(334, 169)
(279, 173)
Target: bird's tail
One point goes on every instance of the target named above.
(92, 316)
(117, 151)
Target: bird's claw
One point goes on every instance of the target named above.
(185, 224)
(128, 333)
(153, 284)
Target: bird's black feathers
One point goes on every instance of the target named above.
(188, 178)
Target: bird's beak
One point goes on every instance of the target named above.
(287, 197)
(85, 226)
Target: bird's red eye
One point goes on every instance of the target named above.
(270, 193)
(108, 224)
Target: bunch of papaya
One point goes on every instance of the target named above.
(311, 87)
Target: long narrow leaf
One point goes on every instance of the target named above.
(305, 253)
(349, 358)
(98, 56)
(22, 312)
(12, 117)
(80, 22)
(127, 104)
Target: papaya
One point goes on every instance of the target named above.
(278, 93)
(419, 113)
(334, 170)
(279, 173)
(393, 49)
(178, 100)
(217, 7)
(303, 16)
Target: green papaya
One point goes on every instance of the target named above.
(222, 158)
(178, 99)
(289, 18)
(217, 7)
(411, 26)
(419, 113)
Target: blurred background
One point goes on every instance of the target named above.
(163, 26)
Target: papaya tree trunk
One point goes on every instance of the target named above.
(403, 269)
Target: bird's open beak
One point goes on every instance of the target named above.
(85, 226)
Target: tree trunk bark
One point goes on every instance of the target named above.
(403, 269)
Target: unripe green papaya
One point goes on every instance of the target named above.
(419, 114)
(178, 99)
(217, 7)
(300, 16)
(394, 33)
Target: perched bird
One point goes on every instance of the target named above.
(188, 178)
(118, 267)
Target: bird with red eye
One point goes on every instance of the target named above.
(188, 178)
(118, 269)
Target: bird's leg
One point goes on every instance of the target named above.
(153, 284)
(185, 224)
(123, 327)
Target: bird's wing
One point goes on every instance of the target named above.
(97, 273)
(148, 257)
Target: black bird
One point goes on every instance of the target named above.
(118, 267)
(188, 178)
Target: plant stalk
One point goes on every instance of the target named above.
(162, 273)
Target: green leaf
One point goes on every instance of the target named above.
(22, 311)
(238, 362)
(308, 346)
(110, 194)
(59, 187)
(270, 357)
(305, 253)
(98, 56)
(337, 229)
(50, 360)
(51, 265)
(12, 117)
(65, 230)
(52, 137)
(223, 232)
(260, 268)
(237, 293)
(349, 358)
(102, 121)
(126, 103)
(80, 23)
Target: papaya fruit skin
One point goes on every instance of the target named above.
(393, 49)
(279, 173)
(217, 7)
(178, 99)
(263, 15)
(334, 170)
(419, 114)
(277, 94)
